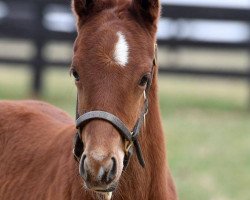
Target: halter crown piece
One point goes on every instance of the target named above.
(130, 137)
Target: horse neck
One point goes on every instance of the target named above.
(153, 134)
(153, 118)
(154, 179)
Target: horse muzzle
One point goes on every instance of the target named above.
(99, 173)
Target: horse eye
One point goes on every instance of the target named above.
(144, 80)
(75, 74)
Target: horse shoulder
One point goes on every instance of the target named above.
(35, 152)
(30, 118)
(49, 110)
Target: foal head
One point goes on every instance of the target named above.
(112, 63)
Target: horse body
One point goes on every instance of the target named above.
(115, 71)
(36, 160)
(35, 157)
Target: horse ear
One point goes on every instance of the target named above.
(82, 7)
(148, 9)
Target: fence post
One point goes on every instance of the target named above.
(248, 82)
(248, 70)
(38, 63)
(37, 69)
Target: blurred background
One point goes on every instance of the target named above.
(204, 83)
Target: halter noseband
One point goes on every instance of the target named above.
(130, 137)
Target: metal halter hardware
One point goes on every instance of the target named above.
(130, 137)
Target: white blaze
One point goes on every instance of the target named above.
(121, 50)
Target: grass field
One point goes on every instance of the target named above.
(206, 122)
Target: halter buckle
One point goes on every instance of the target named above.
(128, 144)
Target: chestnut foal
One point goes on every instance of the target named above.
(115, 71)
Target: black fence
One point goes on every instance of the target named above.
(25, 20)
(177, 12)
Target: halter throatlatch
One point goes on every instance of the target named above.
(130, 137)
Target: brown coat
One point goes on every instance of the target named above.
(36, 160)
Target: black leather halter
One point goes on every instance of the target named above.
(130, 137)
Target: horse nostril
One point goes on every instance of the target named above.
(112, 172)
(96, 172)
(82, 168)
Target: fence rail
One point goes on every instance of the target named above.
(201, 12)
(29, 25)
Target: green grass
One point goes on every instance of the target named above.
(206, 122)
(208, 132)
